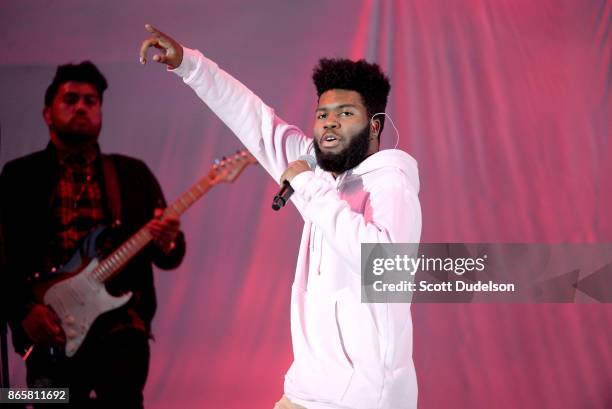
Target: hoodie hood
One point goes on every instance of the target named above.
(388, 157)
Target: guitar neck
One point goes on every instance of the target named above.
(112, 264)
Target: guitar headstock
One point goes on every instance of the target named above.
(228, 169)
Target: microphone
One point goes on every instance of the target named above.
(285, 192)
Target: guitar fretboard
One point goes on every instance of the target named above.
(112, 264)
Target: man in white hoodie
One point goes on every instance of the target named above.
(347, 354)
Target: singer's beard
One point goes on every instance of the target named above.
(351, 156)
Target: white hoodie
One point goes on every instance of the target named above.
(347, 354)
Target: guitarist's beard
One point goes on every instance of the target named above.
(80, 131)
(76, 139)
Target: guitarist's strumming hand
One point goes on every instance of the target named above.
(164, 231)
(41, 324)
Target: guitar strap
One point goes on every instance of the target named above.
(111, 182)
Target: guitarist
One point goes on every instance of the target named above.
(49, 201)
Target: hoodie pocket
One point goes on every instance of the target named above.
(321, 370)
(361, 341)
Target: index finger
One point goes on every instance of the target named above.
(153, 30)
(152, 41)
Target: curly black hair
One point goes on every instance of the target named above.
(361, 76)
(84, 72)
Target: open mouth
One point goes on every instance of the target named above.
(329, 141)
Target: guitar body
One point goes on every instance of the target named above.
(77, 297)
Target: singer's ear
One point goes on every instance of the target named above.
(375, 127)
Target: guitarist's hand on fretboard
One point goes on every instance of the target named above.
(164, 230)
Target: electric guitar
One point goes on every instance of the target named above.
(77, 293)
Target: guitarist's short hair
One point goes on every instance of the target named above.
(86, 72)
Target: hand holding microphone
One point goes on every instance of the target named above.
(303, 164)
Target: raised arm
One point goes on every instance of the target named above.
(272, 141)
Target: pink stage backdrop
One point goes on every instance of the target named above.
(505, 105)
